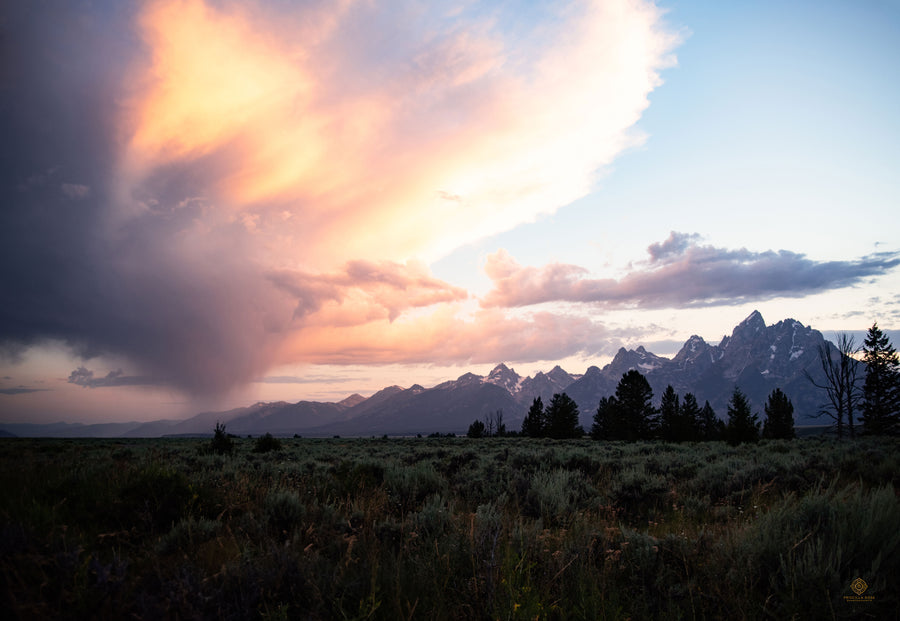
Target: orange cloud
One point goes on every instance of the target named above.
(364, 291)
(404, 138)
(446, 336)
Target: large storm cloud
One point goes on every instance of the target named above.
(205, 190)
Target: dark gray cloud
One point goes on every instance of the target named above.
(683, 274)
(83, 376)
(186, 308)
(156, 273)
(19, 390)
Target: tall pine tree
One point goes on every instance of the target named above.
(690, 417)
(534, 424)
(881, 390)
(743, 424)
(562, 418)
(669, 415)
(709, 427)
(779, 423)
(605, 425)
(637, 416)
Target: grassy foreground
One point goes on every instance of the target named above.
(449, 528)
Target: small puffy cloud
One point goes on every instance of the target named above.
(75, 191)
(681, 273)
(85, 377)
(676, 244)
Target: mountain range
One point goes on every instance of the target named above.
(756, 358)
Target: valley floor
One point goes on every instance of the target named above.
(450, 528)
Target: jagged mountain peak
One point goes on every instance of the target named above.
(694, 342)
(387, 391)
(754, 322)
(639, 359)
(693, 350)
(504, 377)
(558, 373)
(466, 379)
(354, 399)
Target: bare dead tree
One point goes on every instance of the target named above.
(841, 370)
(501, 426)
(494, 424)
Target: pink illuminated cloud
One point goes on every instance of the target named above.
(373, 131)
(680, 273)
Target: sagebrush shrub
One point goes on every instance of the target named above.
(283, 510)
(635, 490)
(819, 543)
(556, 494)
(156, 496)
(186, 534)
(410, 485)
(434, 518)
(267, 443)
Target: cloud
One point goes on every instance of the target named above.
(206, 189)
(75, 191)
(19, 390)
(369, 289)
(681, 274)
(85, 377)
(361, 119)
(675, 245)
(314, 379)
(449, 336)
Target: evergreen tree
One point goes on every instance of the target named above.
(743, 424)
(881, 390)
(669, 415)
(221, 442)
(534, 423)
(604, 427)
(779, 423)
(476, 430)
(690, 417)
(562, 418)
(637, 416)
(709, 427)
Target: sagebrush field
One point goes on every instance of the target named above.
(450, 528)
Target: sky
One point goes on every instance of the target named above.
(211, 203)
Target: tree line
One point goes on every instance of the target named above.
(859, 381)
(630, 415)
